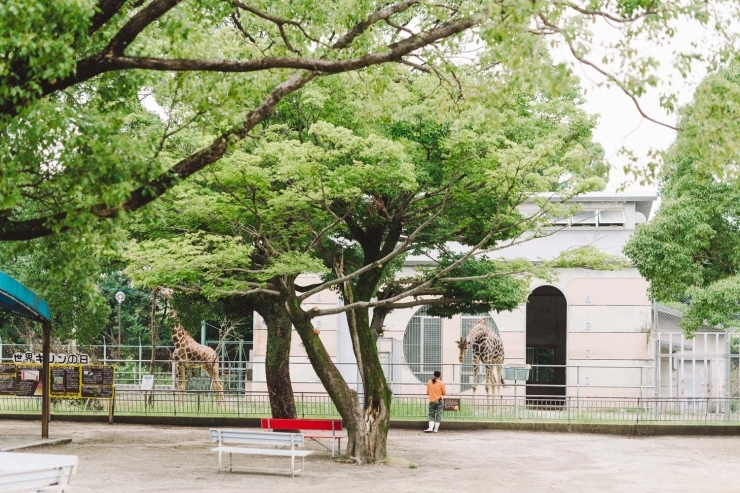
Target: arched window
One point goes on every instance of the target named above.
(466, 373)
(422, 345)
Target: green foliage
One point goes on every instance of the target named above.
(691, 249)
(483, 285)
(336, 183)
(41, 36)
(82, 145)
(710, 126)
(589, 257)
(79, 309)
(78, 146)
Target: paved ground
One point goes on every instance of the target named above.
(138, 458)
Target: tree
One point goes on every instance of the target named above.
(689, 250)
(80, 310)
(411, 171)
(206, 270)
(79, 149)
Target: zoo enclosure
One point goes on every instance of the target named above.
(705, 367)
(240, 374)
(701, 371)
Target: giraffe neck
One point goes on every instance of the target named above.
(180, 336)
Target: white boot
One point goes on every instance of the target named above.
(436, 427)
(431, 427)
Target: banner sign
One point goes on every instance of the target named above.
(70, 381)
(97, 381)
(58, 358)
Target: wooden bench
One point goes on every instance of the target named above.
(227, 439)
(333, 425)
(36, 472)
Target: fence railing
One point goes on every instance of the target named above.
(599, 380)
(705, 411)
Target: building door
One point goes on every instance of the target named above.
(547, 331)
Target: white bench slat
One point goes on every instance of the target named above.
(257, 437)
(33, 480)
(263, 451)
(226, 438)
(35, 472)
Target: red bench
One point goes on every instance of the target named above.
(333, 425)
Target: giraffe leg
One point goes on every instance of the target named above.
(476, 364)
(180, 367)
(211, 370)
(180, 371)
(489, 379)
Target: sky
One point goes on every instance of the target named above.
(620, 123)
(621, 126)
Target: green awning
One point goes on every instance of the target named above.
(17, 298)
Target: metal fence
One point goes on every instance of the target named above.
(705, 366)
(237, 373)
(693, 380)
(709, 411)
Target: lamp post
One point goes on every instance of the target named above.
(119, 298)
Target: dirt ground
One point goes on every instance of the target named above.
(138, 458)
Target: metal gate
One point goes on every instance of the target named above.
(700, 371)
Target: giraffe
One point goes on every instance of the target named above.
(188, 352)
(488, 348)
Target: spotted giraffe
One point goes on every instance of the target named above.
(188, 352)
(488, 348)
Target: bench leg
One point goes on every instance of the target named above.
(231, 463)
(219, 461)
(292, 464)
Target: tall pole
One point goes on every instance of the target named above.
(119, 298)
(45, 381)
(119, 331)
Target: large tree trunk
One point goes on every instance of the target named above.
(277, 362)
(371, 444)
(367, 425)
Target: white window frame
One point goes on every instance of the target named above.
(424, 368)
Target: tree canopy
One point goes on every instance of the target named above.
(334, 173)
(79, 147)
(690, 250)
(349, 187)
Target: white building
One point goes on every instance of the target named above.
(593, 328)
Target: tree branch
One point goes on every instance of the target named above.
(35, 228)
(404, 247)
(139, 22)
(104, 11)
(606, 74)
(378, 15)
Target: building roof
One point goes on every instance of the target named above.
(643, 201)
(17, 298)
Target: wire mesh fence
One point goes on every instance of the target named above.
(690, 411)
